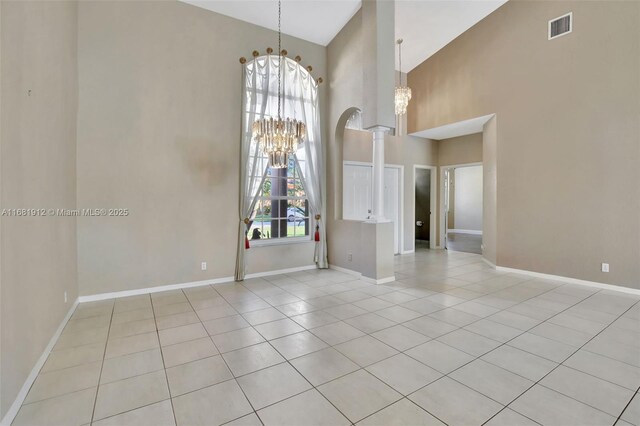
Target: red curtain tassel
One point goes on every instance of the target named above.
(246, 243)
(317, 235)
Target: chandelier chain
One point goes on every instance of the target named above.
(278, 138)
(400, 63)
(279, 53)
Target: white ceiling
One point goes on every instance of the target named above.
(425, 25)
(317, 21)
(453, 130)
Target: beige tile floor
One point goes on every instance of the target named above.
(451, 341)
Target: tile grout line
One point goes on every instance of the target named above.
(106, 345)
(635, 395)
(166, 377)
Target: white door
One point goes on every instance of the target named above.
(357, 195)
(357, 192)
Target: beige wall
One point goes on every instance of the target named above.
(158, 133)
(566, 129)
(460, 150)
(37, 160)
(344, 77)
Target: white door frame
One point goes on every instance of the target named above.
(432, 207)
(400, 225)
(443, 230)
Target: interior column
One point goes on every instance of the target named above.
(377, 213)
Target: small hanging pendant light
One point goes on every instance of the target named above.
(403, 93)
(279, 138)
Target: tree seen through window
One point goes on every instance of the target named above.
(282, 209)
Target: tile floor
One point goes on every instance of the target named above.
(450, 342)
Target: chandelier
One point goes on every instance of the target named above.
(403, 93)
(279, 138)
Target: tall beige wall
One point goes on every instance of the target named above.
(37, 161)
(344, 77)
(567, 134)
(158, 133)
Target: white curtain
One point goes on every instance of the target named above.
(259, 99)
(252, 169)
(303, 91)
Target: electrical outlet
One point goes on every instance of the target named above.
(65, 297)
(350, 257)
(203, 266)
(605, 267)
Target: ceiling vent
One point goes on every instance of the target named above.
(560, 26)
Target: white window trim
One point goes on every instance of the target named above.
(281, 241)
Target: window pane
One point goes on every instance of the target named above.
(266, 188)
(294, 188)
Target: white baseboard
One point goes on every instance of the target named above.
(138, 291)
(408, 252)
(464, 231)
(280, 271)
(17, 403)
(380, 281)
(148, 290)
(362, 277)
(570, 280)
(485, 260)
(346, 271)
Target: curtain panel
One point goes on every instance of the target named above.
(254, 103)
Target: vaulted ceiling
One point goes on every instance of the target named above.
(425, 25)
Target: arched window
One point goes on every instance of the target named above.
(281, 204)
(282, 207)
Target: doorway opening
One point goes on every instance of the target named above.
(424, 186)
(461, 209)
